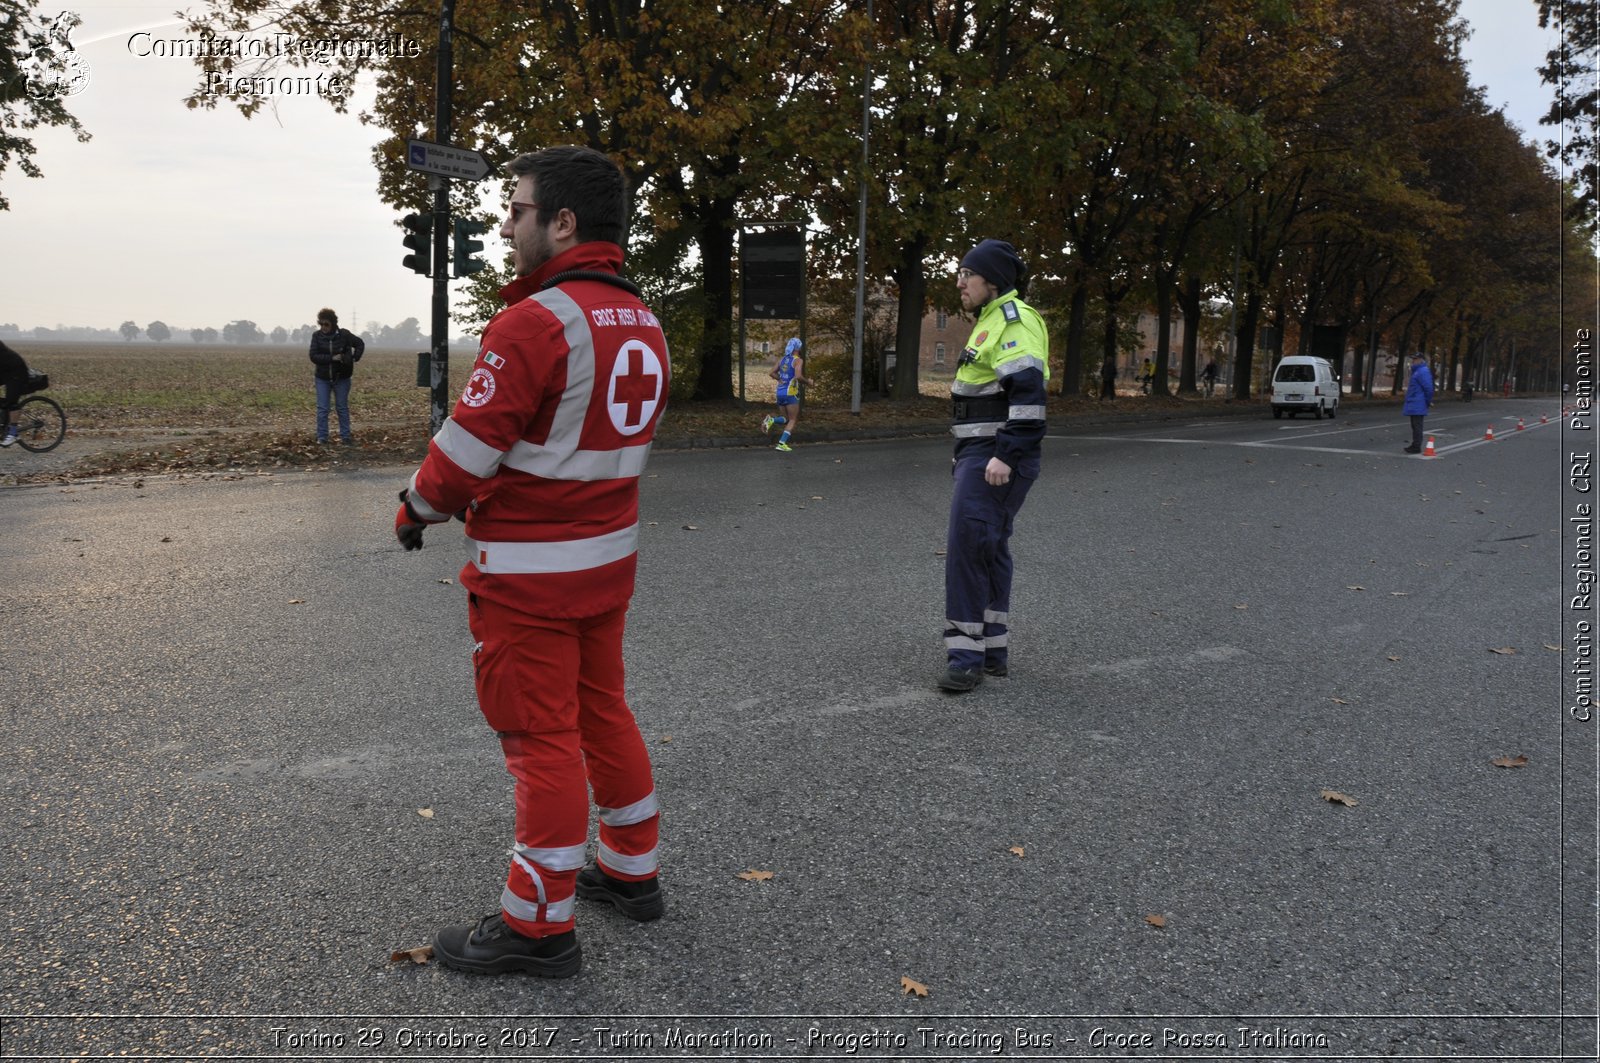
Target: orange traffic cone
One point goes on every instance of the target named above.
(1427, 451)
(1520, 425)
(1489, 434)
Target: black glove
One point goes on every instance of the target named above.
(407, 525)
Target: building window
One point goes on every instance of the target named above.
(941, 321)
(938, 353)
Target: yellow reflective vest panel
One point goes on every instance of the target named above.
(998, 395)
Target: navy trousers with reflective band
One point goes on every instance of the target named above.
(977, 564)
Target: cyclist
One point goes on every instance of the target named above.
(14, 376)
(1208, 376)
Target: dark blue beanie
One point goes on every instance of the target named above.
(996, 262)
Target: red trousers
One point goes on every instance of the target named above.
(553, 691)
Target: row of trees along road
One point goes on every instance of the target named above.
(1319, 162)
(406, 334)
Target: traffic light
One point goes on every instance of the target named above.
(419, 238)
(465, 246)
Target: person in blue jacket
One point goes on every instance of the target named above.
(1419, 396)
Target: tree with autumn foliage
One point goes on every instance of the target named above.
(702, 105)
(1573, 68)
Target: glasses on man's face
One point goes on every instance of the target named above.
(964, 275)
(517, 210)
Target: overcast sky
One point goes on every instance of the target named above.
(198, 218)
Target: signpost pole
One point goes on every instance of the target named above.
(439, 368)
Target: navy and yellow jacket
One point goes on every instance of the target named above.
(999, 390)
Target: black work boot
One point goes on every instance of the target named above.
(639, 901)
(492, 947)
(960, 680)
(998, 669)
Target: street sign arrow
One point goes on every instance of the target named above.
(445, 161)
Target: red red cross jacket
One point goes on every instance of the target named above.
(548, 440)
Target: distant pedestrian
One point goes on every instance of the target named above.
(335, 352)
(1208, 376)
(998, 404)
(1419, 396)
(789, 372)
(1108, 379)
(1147, 376)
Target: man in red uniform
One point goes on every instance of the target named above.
(543, 452)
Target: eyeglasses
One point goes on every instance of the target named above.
(518, 208)
(964, 275)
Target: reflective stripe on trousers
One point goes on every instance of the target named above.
(977, 564)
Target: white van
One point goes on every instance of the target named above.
(1304, 383)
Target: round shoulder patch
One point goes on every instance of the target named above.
(638, 379)
(480, 387)
(977, 341)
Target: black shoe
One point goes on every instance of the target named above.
(960, 680)
(492, 947)
(1413, 450)
(639, 901)
(998, 669)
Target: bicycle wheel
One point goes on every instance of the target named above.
(42, 424)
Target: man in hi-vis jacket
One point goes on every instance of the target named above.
(998, 400)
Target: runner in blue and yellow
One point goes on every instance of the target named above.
(999, 408)
(790, 373)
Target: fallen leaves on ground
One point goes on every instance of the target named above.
(1334, 797)
(420, 954)
(1019, 850)
(297, 601)
(755, 876)
(425, 813)
(1509, 762)
(1156, 920)
(1505, 651)
(910, 986)
(1339, 701)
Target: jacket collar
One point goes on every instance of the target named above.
(599, 255)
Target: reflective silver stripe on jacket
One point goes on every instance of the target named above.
(1025, 413)
(573, 555)
(628, 815)
(975, 429)
(1018, 364)
(552, 463)
(967, 390)
(420, 504)
(643, 864)
(467, 450)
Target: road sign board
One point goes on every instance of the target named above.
(462, 163)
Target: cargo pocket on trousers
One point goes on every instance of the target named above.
(495, 681)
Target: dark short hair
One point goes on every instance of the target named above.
(327, 315)
(583, 181)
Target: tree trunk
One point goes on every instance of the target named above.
(715, 241)
(1189, 306)
(908, 331)
(1072, 368)
(1164, 335)
(1245, 343)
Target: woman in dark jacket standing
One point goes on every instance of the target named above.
(334, 351)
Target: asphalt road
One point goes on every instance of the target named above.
(242, 763)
